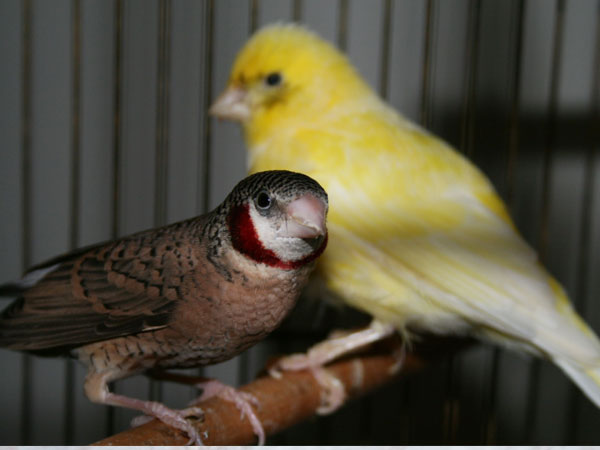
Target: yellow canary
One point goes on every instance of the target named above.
(419, 238)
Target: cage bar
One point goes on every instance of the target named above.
(69, 414)
(457, 111)
(26, 102)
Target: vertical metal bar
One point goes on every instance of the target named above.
(26, 106)
(513, 127)
(470, 86)
(342, 36)
(467, 145)
(451, 410)
(118, 43)
(253, 16)
(26, 109)
(451, 407)
(586, 232)
(244, 358)
(74, 206)
(206, 60)
(386, 31)
(426, 69)
(161, 135)
(297, 11)
(204, 156)
(488, 423)
(116, 151)
(424, 119)
(489, 406)
(546, 184)
(205, 100)
(551, 128)
(75, 120)
(162, 113)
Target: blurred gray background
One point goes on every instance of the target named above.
(104, 132)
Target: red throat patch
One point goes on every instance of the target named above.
(244, 239)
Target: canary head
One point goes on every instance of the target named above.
(285, 72)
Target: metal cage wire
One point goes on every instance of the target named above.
(105, 132)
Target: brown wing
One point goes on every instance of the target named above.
(120, 288)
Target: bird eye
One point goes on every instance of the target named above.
(263, 201)
(273, 79)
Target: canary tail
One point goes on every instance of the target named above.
(588, 380)
(575, 348)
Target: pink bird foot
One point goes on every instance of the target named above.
(214, 388)
(242, 401)
(172, 417)
(333, 394)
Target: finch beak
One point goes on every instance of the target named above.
(307, 215)
(232, 104)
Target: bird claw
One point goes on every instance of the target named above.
(275, 372)
(399, 355)
(242, 401)
(295, 362)
(333, 391)
(250, 398)
(194, 412)
(194, 436)
(138, 421)
(176, 419)
(315, 357)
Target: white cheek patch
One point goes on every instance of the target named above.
(285, 248)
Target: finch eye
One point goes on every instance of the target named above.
(273, 79)
(263, 201)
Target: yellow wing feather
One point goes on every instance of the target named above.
(418, 236)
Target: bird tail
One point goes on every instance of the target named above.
(588, 380)
(18, 287)
(11, 289)
(575, 349)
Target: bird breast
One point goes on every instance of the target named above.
(222, 319)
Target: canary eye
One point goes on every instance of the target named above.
(263, 201)
(273, 79)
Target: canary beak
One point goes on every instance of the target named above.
(232, 104)
(307, 215)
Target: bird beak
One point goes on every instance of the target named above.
(232, 104)
(307, 215)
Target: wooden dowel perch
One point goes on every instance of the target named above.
(283, 402)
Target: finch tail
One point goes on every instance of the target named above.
(11, 289)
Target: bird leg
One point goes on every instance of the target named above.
(96, 389)
(333, 394)
(214, 388)
(399, 354)
(332, 348)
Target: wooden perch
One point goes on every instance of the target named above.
(282, 402)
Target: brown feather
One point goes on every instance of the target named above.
(110, 290)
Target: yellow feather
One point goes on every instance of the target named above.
(418, 236)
